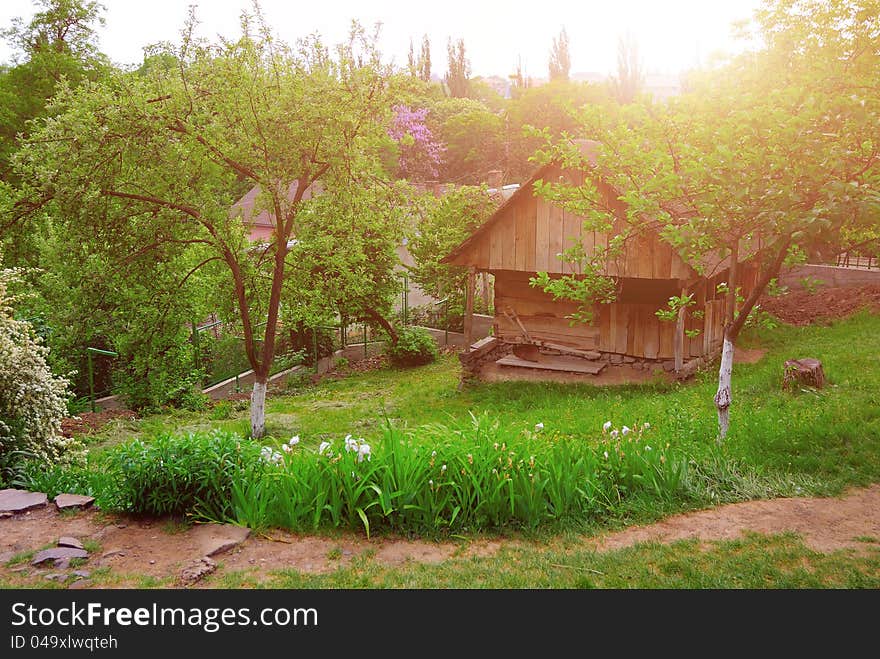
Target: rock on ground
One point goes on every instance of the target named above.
(19, 501)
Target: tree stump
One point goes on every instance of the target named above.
(806, 371)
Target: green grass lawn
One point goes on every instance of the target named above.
(807, 441)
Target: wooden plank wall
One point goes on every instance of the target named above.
(630, 329)
(529, 233)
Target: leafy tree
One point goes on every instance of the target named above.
(158, 156)
(420, 154)
(59, 43)
(473, 136)
(459, 70)
(560, 58)
(550, 109)
(57, 46)
(445, 222)
(343, 264)
(776, 149)
(630, 76)
(423, 64)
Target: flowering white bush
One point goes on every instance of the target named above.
(33, 401)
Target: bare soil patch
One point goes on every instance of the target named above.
(86, 423)
(823, 305)
(826, 525)
(163, 548)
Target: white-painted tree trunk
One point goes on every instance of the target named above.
(723, 397)
(258, 409)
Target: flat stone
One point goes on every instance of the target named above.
(18, 501)
(616, 359)
(214, 539)
(56, 576)
(628, 360)
(58, 553)
(70, 541)
(79, 584)
(62, 563)
(81, 574)
(112, 553)
(5, 514)
(197, 570)
(669, 366)
(73, 501)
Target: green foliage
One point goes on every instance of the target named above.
(415, 347)
(440, 479)
(673, 306)
(182, 474)
(774, 289)
(810, 284)
(177, 150)
(33, 400)
(446, 222)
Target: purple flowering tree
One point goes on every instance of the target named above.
(420, 154)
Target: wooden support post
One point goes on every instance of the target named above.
(678, 340)
(486, 300)
(469, 307)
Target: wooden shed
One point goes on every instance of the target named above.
(524, 237)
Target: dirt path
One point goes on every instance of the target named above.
(825, 525)
(162, 549)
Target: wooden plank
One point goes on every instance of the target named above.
(483, 259)
(469, 306)
(667, 340)
(483, 346)
(636, 337)
(606, 343)
(548, 324)
(520, 236)
(571, 236)
(554, 363)
(530, 213)
(707, 328)
(645, 256)
(555, 239)
(495, 247)
(541, 337)
(506, 228)
(651, 326)
(536, 306)
(662, 260)
(678, 346)
(542, 237)
(620, 327)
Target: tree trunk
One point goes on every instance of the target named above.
(723, 397)
(258, 407)
(383, 322)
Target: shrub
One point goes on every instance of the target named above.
(182, 474)
(33, 401)
(415, 347)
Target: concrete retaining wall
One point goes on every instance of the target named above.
(829, 275)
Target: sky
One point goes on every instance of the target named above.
(672, 35)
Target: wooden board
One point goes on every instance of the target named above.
(521, 237)
(530, 209)
(506, 227)
(554, 363)
(542, 236)
(556, 229)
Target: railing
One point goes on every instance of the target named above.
(847, 260)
